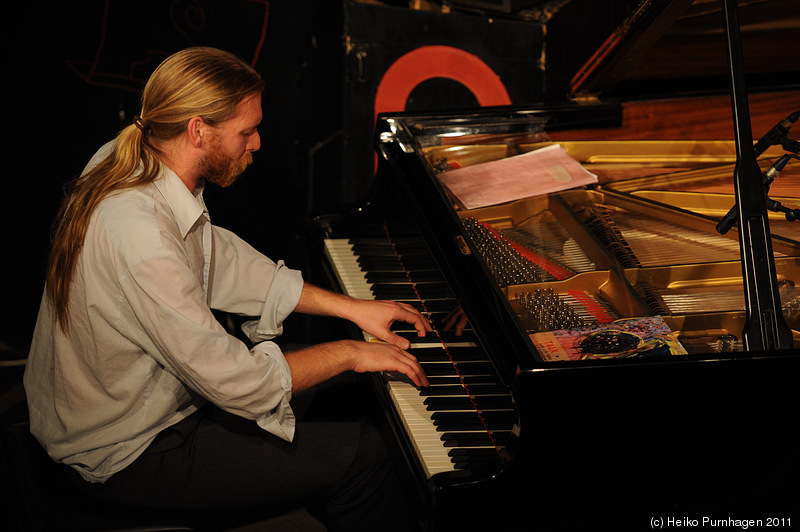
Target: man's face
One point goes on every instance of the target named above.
(232, 143)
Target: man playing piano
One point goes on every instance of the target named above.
(134, 385)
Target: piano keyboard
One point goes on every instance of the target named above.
(465, 416)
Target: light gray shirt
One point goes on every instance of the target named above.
(143, 350)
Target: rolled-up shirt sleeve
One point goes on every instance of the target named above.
(245, 282)
(282, 297)
(279, 421)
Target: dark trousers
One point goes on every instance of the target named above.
(215, 460)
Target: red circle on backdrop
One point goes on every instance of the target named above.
(430, 62)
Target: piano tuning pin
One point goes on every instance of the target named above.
(727, 342)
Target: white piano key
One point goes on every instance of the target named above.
(420, 428)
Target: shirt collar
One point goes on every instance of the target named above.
(187, 207)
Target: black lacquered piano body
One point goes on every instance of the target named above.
(599, 442)
(609, 439)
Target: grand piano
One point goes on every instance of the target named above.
(610, 375)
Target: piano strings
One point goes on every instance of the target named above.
(640, 240)
(512, 262)
(710, 299)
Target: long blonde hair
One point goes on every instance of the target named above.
(198, 81)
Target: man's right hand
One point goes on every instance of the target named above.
(379, 356)
(316, 364)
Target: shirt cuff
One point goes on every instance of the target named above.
(280, 421)
(281, 300)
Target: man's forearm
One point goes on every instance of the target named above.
(374, 317)
(321, 302)
(316, 364)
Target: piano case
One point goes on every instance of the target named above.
(603, 380)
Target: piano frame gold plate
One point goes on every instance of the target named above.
(664, 165)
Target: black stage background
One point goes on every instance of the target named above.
(73, 72)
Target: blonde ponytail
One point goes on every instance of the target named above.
(198, 81)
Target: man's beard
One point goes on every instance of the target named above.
(218, 167)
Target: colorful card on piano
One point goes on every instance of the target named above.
(633, 337)
(542, 171)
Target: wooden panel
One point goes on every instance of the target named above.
(702, 118)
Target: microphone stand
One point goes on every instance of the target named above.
(777, 135)
(765, 327)
(732, 216)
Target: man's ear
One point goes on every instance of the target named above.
(197, 130)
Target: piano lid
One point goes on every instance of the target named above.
(677, 47)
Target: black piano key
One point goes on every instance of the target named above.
(453, 353)
(433, 317)
(450, 422)
(468, 439)
(457, 353)
(435, 369)
(454, 379)
(468, 368)
(445, 389)
(468, 353)
(377, 263)
(435, 305)
(439, 404)
(398, 248)
(448, 380)
(422, 291)
(427, 354)
(403, 277)
(466, 453)
(441, 336)
(379, 244)
(482, 402)
(457, 421)
(471, 380)
(469, 458)
(458, 464)
(391, 260)
(462, 421)
(467, 443)
(402, 328)
(472, 457)
(456, 389)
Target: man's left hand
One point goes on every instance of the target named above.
(377, 317)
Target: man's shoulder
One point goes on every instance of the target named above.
(135, 220)
(128, 205)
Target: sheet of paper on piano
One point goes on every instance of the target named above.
(542, 171)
